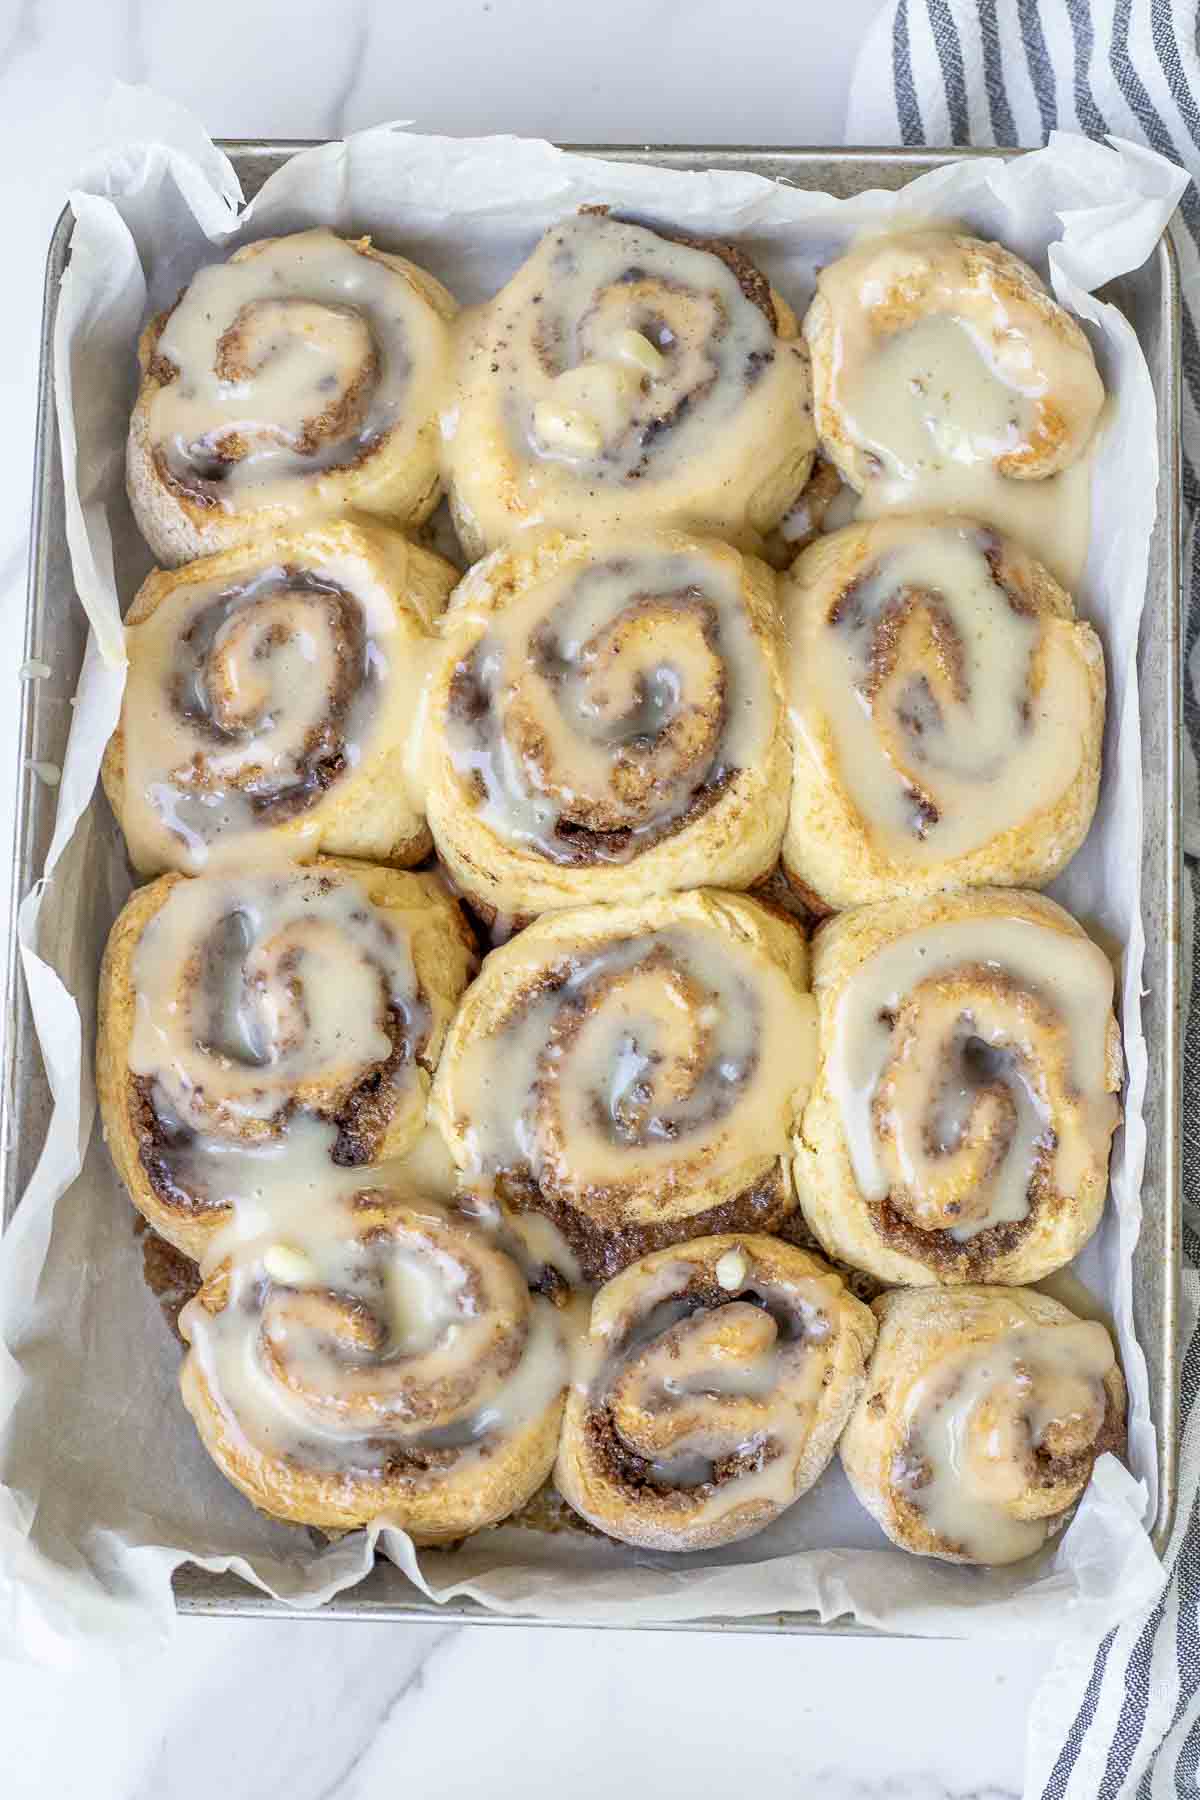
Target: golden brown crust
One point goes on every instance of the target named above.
(832, 854)
(363, 808)
(918, 1328)
(878, 1236)
(379, 1117)
(728, 832)
(736, 1299)
(395, 482)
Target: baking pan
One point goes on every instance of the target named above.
(55, 630)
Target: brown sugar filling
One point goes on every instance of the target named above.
(910, 1473)
(321, 760)
(750, 279)
(576, 839)
(200, 484)
(361, 1121)
(634, 1472)
(603, 1252)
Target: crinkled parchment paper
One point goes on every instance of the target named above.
(106, 1488)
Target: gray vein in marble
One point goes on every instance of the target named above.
(137, 60)
(413, 1683)
(357, 26)
(24, 35)
(312, 1717)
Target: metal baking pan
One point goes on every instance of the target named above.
(55, 625)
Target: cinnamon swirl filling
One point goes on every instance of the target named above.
(609, 706)
(625, 371)
(279, 679)
(280, 1029)
(1000, 1437)
(711, 1390)
(972, 1083)
(705, 1389)
(372, 1354)
(941, 682)
(269, 701)
(635, 1084)
(297, 358)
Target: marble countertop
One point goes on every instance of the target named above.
(313, 1710)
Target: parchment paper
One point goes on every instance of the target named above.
(105, 1486)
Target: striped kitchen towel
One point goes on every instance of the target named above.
(1120, 1719)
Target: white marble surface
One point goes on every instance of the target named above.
(317, 1710)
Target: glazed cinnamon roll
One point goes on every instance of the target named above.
(983, 1415)
(271, 1031)
(366, 1356)
(965, 1098)
(607, 723)
(946, 377)
(628, 377)
(947, 714)
(304, 375)
(713, 1386)
(633, 1072)
(270, 700)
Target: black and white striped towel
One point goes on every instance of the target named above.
(1120, 1719)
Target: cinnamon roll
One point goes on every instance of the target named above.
(946, 377)
(626, 376)
(965, 1098)
(270, 700)
(607, 723)
(633, 1072)
(983, 1415)
(947, 714)
(365, 1356)
(271, 1031)
(304, 375)
(714, 1384)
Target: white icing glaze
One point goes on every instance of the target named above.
(974, 1421)
(295, 359)
(248, 700)
(622, 376)
(966, 1056)
(922, 672)
(633, 1061)
(607, 699)
(363, 1325)
(260, 993)
(409, 1334)
(691, 1387)
(932, 409)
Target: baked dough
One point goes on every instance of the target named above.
(634, 1072)
(630, 377)
(715, 1381)
(606, 723)
(959, 1125)
(983, 1414)
(303, 376)
(1029, 406)
(946, 712)
(270, 702)
(383, 1361)
(270, 1030)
